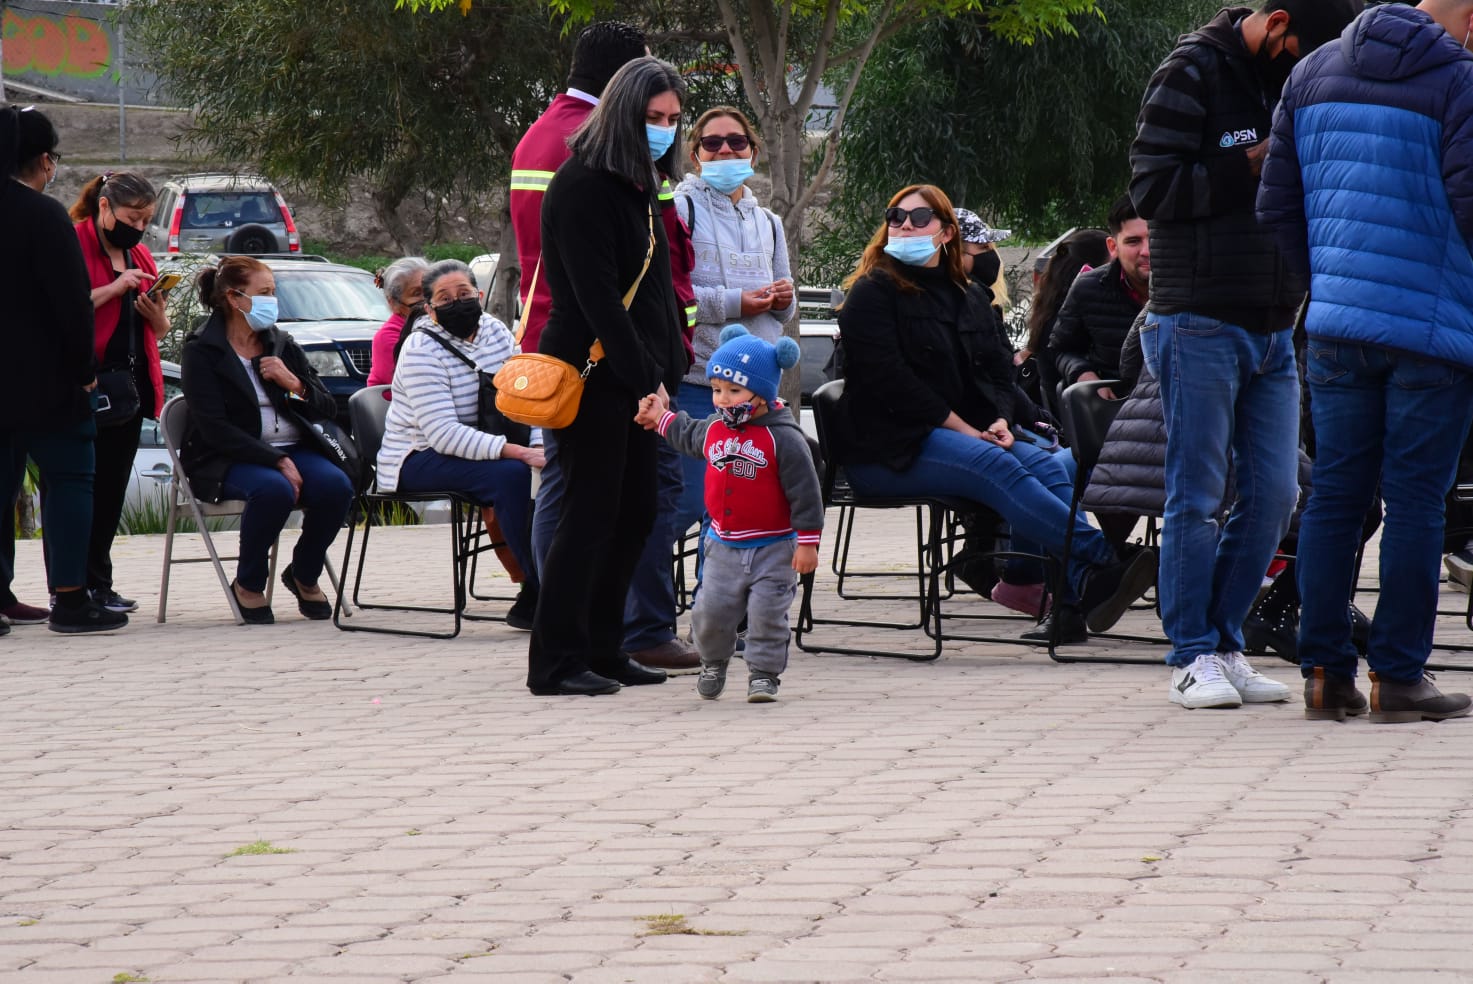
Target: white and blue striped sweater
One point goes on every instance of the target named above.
(434, 403)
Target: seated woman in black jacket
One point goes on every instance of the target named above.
(929, 403)
(251, 392)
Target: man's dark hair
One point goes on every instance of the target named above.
(600, 51)
(613, 138)
(1120, 213)
(1316, 22)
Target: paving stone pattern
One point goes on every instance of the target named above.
(989, 817)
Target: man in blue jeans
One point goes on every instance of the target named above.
(1218, 332)
(1369, 187)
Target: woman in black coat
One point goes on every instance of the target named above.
(47, 372)
(251, 393)
(601, 235)
(930, 405)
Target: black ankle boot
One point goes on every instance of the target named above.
(1273, 624)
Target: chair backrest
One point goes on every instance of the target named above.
(825, 409)
(173, 422)
(1087, 418)
(368, 413)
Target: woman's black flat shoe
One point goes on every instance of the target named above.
(315, 610)
(260, 615)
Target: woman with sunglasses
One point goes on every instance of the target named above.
(741, 273)
(928, 403)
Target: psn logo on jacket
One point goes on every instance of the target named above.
(1234, 137)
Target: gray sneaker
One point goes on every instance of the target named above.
(762, 688)
(711, 681)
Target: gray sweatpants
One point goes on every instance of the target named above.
(758, 582)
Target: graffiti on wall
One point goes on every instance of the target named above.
(55, 45)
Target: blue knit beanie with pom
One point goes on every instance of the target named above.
(748, 361)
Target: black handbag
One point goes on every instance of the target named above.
(488, 419)
(334, 444)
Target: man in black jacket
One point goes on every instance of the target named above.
(1101, 304)
(1218, 331)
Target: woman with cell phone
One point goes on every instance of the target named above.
(110, 214)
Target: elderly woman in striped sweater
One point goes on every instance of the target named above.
(431, 442)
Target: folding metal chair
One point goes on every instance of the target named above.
(367, 412)
(173, 423)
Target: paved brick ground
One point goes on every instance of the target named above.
(988, 817)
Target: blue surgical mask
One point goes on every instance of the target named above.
(660, 139)
(911, 250)
(726, 176)
(262, 314)
(738, 415)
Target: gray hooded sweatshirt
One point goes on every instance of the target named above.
(738, 246)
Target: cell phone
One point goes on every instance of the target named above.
(165, 283)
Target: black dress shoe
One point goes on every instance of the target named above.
(1110, 591)
(310, 608)
(1071, 627)
(633, 674)
(584, 684)
(260, 615)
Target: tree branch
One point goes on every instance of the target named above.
(785, 23)
(820, 56)
(831, 145)
(741, 53)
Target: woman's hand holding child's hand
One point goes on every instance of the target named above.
(651, 409)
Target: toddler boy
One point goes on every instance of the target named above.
(766, 510)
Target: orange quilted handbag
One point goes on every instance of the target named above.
(543, 390)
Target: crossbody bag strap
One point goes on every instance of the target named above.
(531, 296)
(450, 348)
(596, 352)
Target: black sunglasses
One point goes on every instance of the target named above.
(920, 216)
(736, 141)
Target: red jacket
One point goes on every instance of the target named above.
(542, 150)
(105, 319)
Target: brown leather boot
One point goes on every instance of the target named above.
(1393, 702)
(1328, 697)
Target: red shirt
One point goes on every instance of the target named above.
(542, 150)
(105, 319)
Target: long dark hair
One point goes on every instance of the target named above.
(613, 137)
(1087, 246)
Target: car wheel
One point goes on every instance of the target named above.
(253, 239)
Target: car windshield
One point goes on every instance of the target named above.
(329, 295)
(220, 210)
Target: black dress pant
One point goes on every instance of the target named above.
(116, 448)
(608, 509)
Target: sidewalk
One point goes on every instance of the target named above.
(991, 816)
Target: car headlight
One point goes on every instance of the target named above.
(327, 362)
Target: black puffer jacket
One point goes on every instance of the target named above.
(1191, 181)
(1092, 325)
(1130, 476)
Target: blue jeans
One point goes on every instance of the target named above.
(503, 484)
(1389, 417)
(1027, 486)
(65, 457)
(326, 496)
(1227, 393)
(649, 608)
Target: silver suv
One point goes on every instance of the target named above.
(208, 213)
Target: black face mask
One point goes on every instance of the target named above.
(985, 267)
(415, 312)
(460, 318)
(122, 235)
(1274, 71)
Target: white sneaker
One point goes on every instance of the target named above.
(1252, 686)
(1202, 684)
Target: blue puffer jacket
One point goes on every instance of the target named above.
(1369, 183)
